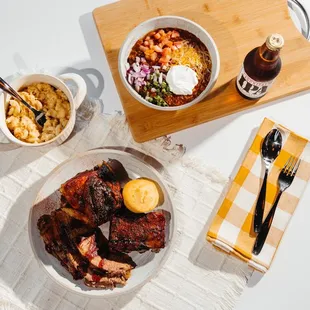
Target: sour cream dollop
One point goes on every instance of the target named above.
(182, 80)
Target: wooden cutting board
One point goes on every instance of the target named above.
(236, 26)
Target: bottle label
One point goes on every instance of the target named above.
(251, 88)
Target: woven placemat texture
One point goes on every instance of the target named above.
(195, 275)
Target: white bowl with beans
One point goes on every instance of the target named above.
(160, 23)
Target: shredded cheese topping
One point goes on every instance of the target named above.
(196, 58)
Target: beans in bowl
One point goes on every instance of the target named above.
(169, 67)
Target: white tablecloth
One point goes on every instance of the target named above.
(68, 39)
(194, 277)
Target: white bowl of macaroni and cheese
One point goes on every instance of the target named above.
(49, 94)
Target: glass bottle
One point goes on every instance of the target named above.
(260, 68)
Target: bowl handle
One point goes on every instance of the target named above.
(81, 85)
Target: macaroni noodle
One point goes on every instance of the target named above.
(54, 103)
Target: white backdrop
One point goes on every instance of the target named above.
(61, 35)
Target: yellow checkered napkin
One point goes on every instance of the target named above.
(232, 227)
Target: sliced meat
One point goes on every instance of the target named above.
(59, 232)
(98, 281)
(88, 248)
(137, 232)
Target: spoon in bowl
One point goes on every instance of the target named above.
(271, 148)
(39, 116)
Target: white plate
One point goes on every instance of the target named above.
(47, 200)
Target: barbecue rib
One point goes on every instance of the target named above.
(137, 232)
(93, 279)
(83, 251)
(111, 272)
(93, 195)
(71, 233)
(59, 232)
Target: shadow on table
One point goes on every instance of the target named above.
(205, 131)
(90, 70)
(204, 255)
(99, 61)
(91, 105)
(18, 269)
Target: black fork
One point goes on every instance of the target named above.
(285, 180)
(38, 115)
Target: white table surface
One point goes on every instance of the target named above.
(61, 34)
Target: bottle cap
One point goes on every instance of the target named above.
(275, 42)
